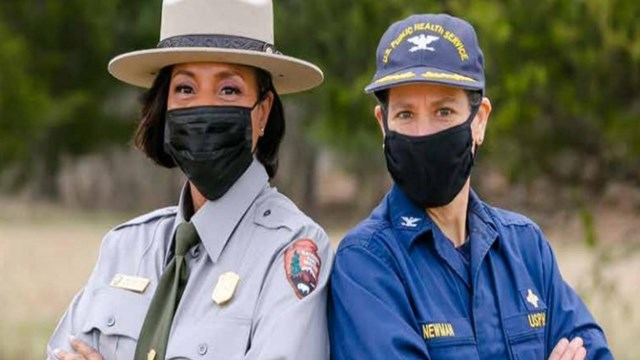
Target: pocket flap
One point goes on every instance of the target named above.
(222, 338)
(525, 325)
(116, 312)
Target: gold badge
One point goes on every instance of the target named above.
(532, 298)
(131, 283)
(151, 355)
(225, 288)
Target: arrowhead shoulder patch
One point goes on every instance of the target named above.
(302, 266)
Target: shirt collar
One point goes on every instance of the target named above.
(406, 216)
(482, 232)
(478, 208)
(216, 220)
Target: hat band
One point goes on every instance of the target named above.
(218, 41)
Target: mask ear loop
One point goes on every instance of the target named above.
(385, 125)
(385, 118)
(472, 116)
(260, 99)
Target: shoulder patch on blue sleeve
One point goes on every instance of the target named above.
(143, 219)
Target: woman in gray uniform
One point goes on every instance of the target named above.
(235, 271)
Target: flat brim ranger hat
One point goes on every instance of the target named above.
(429, 48)
(227, 31)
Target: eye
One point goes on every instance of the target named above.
(184, 89)
(404, 115)
(230, 90)
(445, 112)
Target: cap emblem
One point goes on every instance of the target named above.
(421, 42)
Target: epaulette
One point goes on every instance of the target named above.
(143, 219)
(276, 213)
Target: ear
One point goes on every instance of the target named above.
(479, 124)
(264, 109)
(379, 114)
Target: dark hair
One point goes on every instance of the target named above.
(474, 96)
(149, 135)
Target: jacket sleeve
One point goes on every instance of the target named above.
(75, 316)
(290, 320)
(68, 325)
(80, 309)
(568, 315)
(369, 313)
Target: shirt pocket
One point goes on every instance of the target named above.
(117, 317)
(526, 334)
(221, 339)
(449, 339)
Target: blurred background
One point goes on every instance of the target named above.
(563, 144)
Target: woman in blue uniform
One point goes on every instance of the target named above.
(434, 272)
(235, 271)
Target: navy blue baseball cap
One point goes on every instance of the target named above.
(429, 48)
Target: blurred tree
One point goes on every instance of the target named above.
(564, 79)
(562, 75)
(22, 100)
(55, 96)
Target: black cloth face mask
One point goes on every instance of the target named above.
(211, 144)
(432, 169)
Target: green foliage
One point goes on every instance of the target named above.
(55, 95)
(562, 76)
(21, 102)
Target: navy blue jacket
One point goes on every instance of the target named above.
(401, 290)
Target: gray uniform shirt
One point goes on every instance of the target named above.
(278, 308)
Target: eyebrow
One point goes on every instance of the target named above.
(183, 72)
(225, 74)
(400, 104)
(444, 101)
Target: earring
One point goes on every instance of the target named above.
(262, 131)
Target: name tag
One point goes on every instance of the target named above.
(131, 283)
(437, 330)
(537, 320)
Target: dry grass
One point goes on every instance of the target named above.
(47, 253)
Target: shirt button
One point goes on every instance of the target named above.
(267, 213)
(195, 252)
(202, 349)
(111, 321)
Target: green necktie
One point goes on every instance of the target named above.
(154, 334)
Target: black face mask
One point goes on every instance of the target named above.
(431, 170)
(211, 144)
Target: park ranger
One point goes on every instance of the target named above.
(235, 271)
(434, 272)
